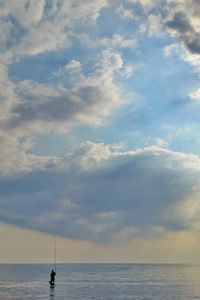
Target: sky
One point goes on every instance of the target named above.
(99, 130)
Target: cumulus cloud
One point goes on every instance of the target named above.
(37, 27)
(15, 159)
(28, 12)
(180, 18)
(34, 27)
(100, 191)
(88, 101)
(45, 26)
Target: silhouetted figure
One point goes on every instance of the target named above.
(52, 277)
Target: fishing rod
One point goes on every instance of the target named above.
(55, 252)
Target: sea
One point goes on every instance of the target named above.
(100, 281)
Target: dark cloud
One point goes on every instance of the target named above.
(139, 190)
(182, 27)
(193, 43)
(81, 105)
(180, 23)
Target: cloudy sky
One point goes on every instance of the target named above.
(99, 130)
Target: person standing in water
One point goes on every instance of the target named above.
(52, 277)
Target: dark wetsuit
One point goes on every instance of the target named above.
(52, 277)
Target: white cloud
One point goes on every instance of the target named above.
(116, 41)
(15, 159)
(109, 61)
(74, 66)
(120, 41)
(32, 43)
(195, 95)
(77, 10)
(152, 25)
(88, 101)
(41, 26)
(7, 95)
(89, 156)
(144, 3)
(161, 143)
(128, 71)
(27, 12)
(124, 12)
(128, 10)
(170, 49)
(6, 28)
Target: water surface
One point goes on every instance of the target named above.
(100, 281)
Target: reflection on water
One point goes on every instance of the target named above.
(52, 293)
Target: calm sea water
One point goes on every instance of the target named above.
(100, 281)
